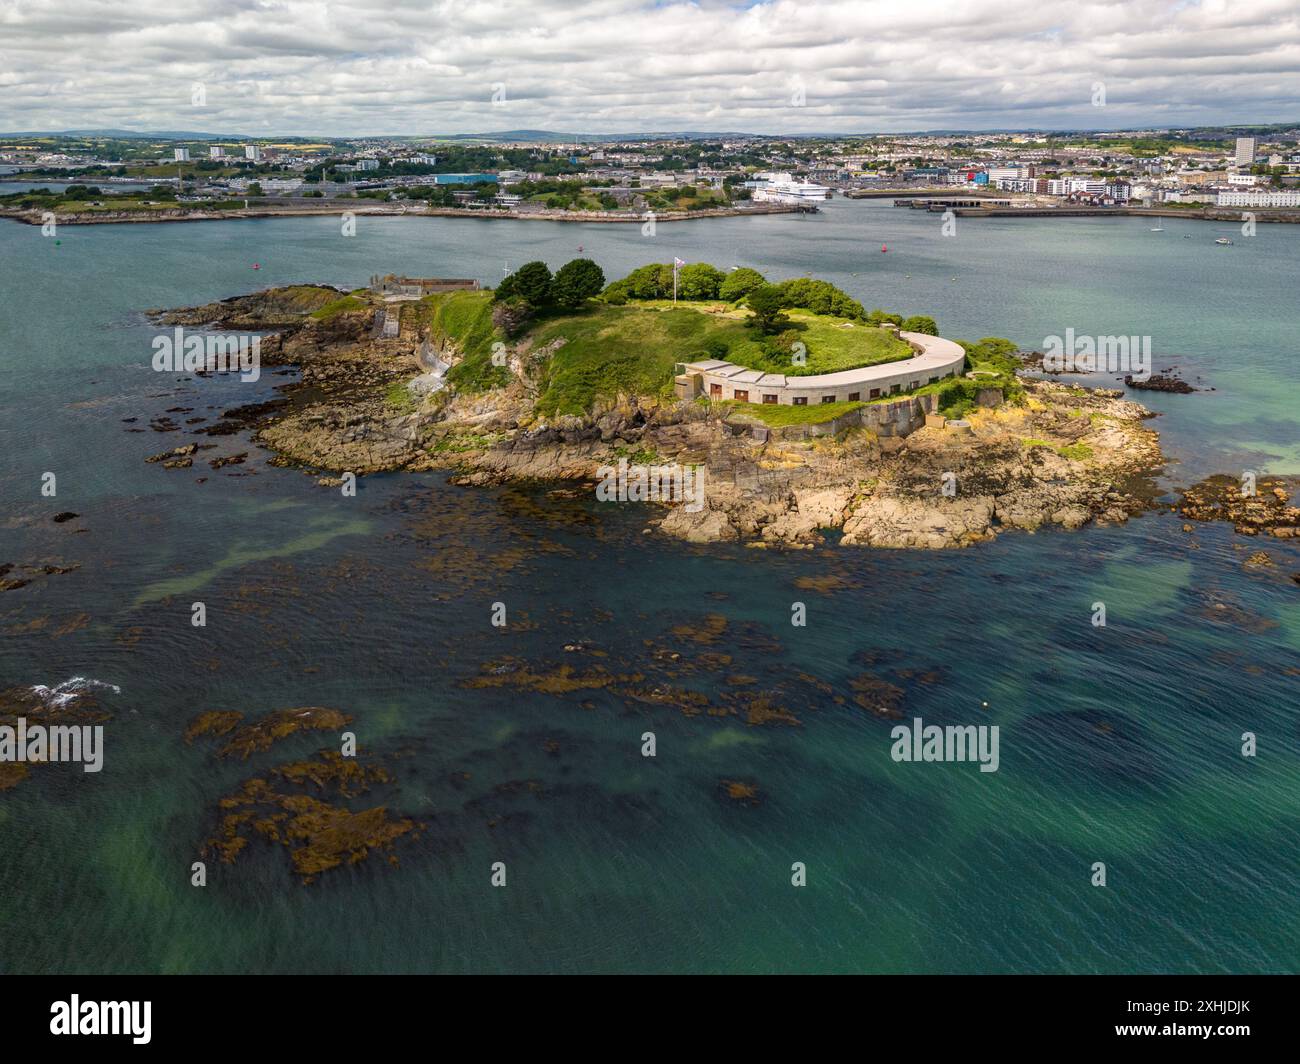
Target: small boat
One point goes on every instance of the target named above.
(257, 265)
(579, 247)
(1223, 240)
(1157, 229)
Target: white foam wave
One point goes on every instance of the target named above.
(63, 693)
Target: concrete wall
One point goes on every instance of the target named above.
(898, 418)
(935, 359)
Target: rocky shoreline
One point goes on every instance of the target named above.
(1067, 457)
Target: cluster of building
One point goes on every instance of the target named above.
(1096, 173)
(1099, 169)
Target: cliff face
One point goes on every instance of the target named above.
(1066, 457)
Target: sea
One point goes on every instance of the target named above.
(771, 831)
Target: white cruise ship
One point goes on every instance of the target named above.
(781, 188)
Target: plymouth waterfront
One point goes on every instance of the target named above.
(1118, 744)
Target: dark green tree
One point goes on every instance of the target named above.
(532, 281)
(765, 307)
(699, 280)
(577, 281)
(739, 283)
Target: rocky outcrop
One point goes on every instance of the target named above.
(1159, 382)
(1064, 457)
(1259, 508)
(912, 521)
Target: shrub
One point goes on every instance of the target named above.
(820, 297)
(739, 283)
(699, 280)
(920, 323)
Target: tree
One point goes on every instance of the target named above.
(255, 188)
(765, 305)
(699, 280)
(532, 281)
(920, 323)
(654, 281)
(577, 281)
(739, 283)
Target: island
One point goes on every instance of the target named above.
(806, 417)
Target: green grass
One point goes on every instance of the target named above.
(465, 320)
(633, 350)
(1076, 452)
(628, 350)
(115, 204)
(833, 344)
(775, 414)
(342, 305)
(398, 397)
(462, 442)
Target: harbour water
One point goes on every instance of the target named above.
(1119, 745)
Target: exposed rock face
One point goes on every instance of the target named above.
(892, 521)
(1059, 461)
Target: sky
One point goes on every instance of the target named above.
(400, 67)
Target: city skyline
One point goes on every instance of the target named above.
(789, 67)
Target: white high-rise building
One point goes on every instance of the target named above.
(252, 151)
(216, 152)
(1246, 150)
(181, 155)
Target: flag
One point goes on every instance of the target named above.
(677, 261)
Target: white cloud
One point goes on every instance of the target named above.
(391, 66)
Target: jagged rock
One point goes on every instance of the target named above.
(707, 526)
(892, 521)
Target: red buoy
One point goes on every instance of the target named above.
(883, 248)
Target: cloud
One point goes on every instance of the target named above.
(358, 67)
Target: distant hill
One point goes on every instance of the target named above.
(131, 134)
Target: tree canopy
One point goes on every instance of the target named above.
(577, 281)
(765, 306)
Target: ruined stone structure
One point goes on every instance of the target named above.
(414, 287)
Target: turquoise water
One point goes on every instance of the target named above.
(1118, 745)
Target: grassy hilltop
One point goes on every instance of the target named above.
(588, 341)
